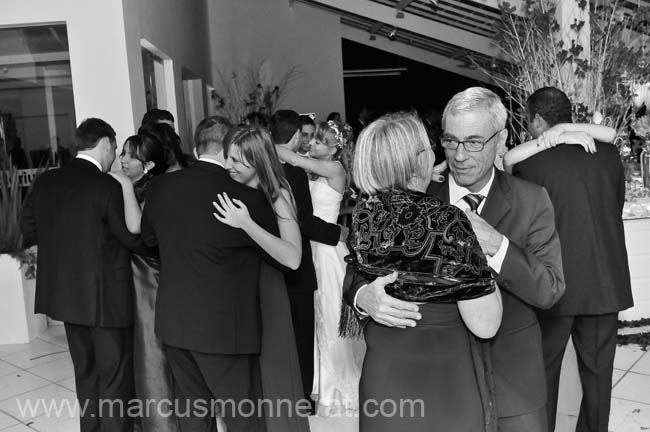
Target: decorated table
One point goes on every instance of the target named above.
(636, 222)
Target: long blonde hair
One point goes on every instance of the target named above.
(258, 150)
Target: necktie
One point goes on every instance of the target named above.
(473, 200)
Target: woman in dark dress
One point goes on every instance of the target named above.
(251, 159)
(143, 157)
(440, 364)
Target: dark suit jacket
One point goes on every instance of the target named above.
(75, 215)
(588, 192)
(311, 228)
(531, 275)
(208, 296)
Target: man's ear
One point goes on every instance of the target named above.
(505, 133)
(539, 122)
(295, 140)
(104, 145)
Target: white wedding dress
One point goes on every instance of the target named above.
(337, 361)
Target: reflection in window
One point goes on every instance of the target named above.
(37, 117)
(154, 79)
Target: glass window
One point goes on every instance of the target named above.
(154, 80)
(37, 117)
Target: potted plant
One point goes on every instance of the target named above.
(18, 322)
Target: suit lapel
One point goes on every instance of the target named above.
(439, 190)
(497, 204)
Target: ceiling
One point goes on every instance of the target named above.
(457, 33)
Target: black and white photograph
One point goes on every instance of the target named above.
(324, 215)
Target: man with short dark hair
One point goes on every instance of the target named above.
(588, 192)
(301, 283)
(75, 215)
(307, 129)
(155, 115)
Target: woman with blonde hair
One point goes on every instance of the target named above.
(439, 365)
(251, 159)
(337, 361)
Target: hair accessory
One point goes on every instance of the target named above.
(337, 131)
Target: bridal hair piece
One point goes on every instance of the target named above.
(338, 133)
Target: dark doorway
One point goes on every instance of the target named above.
(418, 86)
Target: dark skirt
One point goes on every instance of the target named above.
(433, 377)
(153, 379)
(279, 367)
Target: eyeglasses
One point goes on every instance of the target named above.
(470, 145)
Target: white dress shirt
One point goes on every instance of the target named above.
(212, 161)
(90, 159)
(456, 194)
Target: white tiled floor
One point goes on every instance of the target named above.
(43, 369)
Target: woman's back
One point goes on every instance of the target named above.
(430, 244)
(438, 363)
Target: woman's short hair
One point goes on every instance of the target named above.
(475, 99)
(387, 154)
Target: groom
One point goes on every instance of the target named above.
(207, 311)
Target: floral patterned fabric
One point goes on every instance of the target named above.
(430, 244)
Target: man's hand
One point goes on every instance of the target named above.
(489, 238)
(343, 237)
(385, 309)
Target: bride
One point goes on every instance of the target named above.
(337, 361)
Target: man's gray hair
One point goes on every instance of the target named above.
(474, 99)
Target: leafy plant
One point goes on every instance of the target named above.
(641, 126)
(10, 207)
(238, 97)
(11, 201)
(601, 84)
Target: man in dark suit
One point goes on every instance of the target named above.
(301, 283)
(588, 192)
(516, 230)
(75, 215)
(207, 311)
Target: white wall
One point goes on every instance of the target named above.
(178, 28)
(105, 57)
(98, 62)
(246, 31)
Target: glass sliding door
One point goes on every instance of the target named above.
(37, 115)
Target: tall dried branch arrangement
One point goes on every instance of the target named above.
(602, 84)
(240, 94)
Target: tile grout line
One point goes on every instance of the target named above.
(27, 346)
(630, 400)
(15, 418)
(628, 370)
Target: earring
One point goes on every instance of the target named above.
(145, 170)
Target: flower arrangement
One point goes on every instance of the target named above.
(641, 127)
(239, 96)
(11, 200)
(601, 84)
(10, 206)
